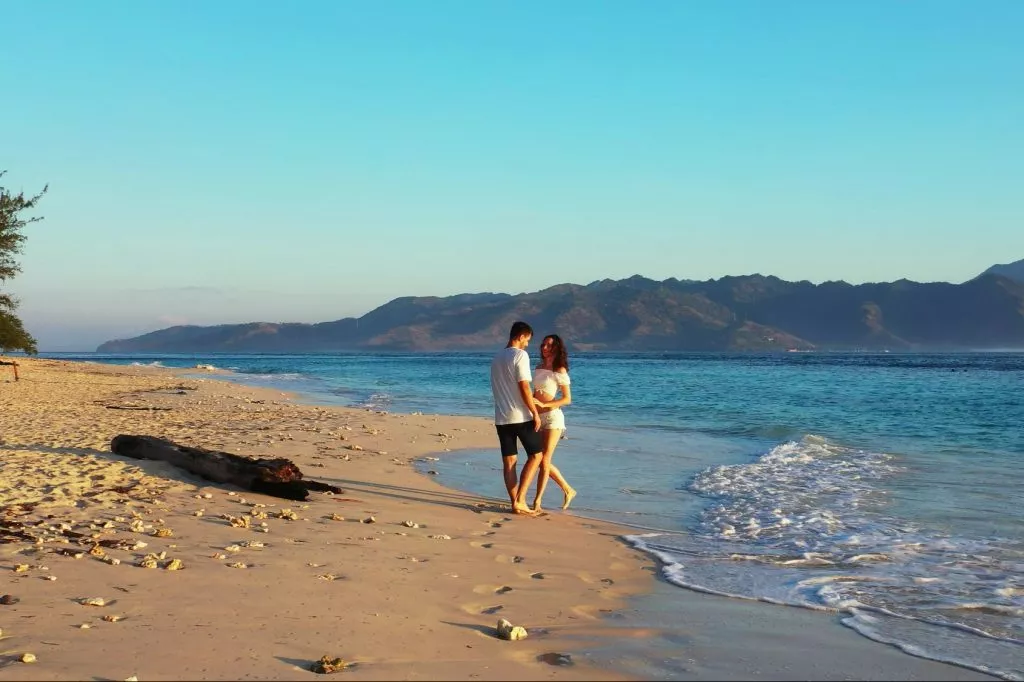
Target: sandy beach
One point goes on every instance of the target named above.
(397, 575)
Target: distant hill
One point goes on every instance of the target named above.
(752, 312)
(1014, 271)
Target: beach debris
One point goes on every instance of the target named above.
(327, 665)
(510, 632)
(278, 477)
(370, 519)
(97, 551)
(49, 577)
(147, 562)
(518, 559)
(84, 626)
(174, 565)
(238, 564)
(198, 512)
(233, 548)
(163, 533)
(432, 472)
(20, 568)
(111, 618)
(133, 678)
(287, 514)
(410, 524)
(238, 521)
(327, 576)
(254, 544)
(440, 537)
(354, 447)
(28, 658)
(336, 517)
(9, 600)
(92, 601)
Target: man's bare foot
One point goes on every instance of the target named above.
(518, 508)
(536, 507)
(569, 494)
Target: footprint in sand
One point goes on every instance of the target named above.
(482, 545)
(491, 589)
(478, 609)
(537, 576)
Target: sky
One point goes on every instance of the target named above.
(240, 161)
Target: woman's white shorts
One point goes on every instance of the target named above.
(552, 420)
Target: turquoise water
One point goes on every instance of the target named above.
(886, 487)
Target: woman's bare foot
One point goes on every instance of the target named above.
(518, 508)
(569, 494)
(536, 507)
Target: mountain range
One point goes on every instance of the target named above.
(752, 312)
(1013, 270)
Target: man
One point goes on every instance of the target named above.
(516, 416)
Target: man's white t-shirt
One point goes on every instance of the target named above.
(508, 368)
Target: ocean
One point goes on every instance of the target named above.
(884, 487)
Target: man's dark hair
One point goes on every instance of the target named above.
(519, 329)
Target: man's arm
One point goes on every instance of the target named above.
(526, 392)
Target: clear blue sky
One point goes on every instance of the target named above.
(235, 161)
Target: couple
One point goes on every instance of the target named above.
(533, 417)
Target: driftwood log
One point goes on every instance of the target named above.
(277, 477)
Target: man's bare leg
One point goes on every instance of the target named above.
(525, 479)
(508, 465)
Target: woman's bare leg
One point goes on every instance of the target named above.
(549, 470)
(567, 490)
(551, 437)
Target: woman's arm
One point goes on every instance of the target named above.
(566, 398)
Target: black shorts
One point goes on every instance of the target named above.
(527, 435)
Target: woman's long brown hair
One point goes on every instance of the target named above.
(559, 356)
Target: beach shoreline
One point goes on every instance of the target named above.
(416, 601)
(416, 593)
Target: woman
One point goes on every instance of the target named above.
(551, 375)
